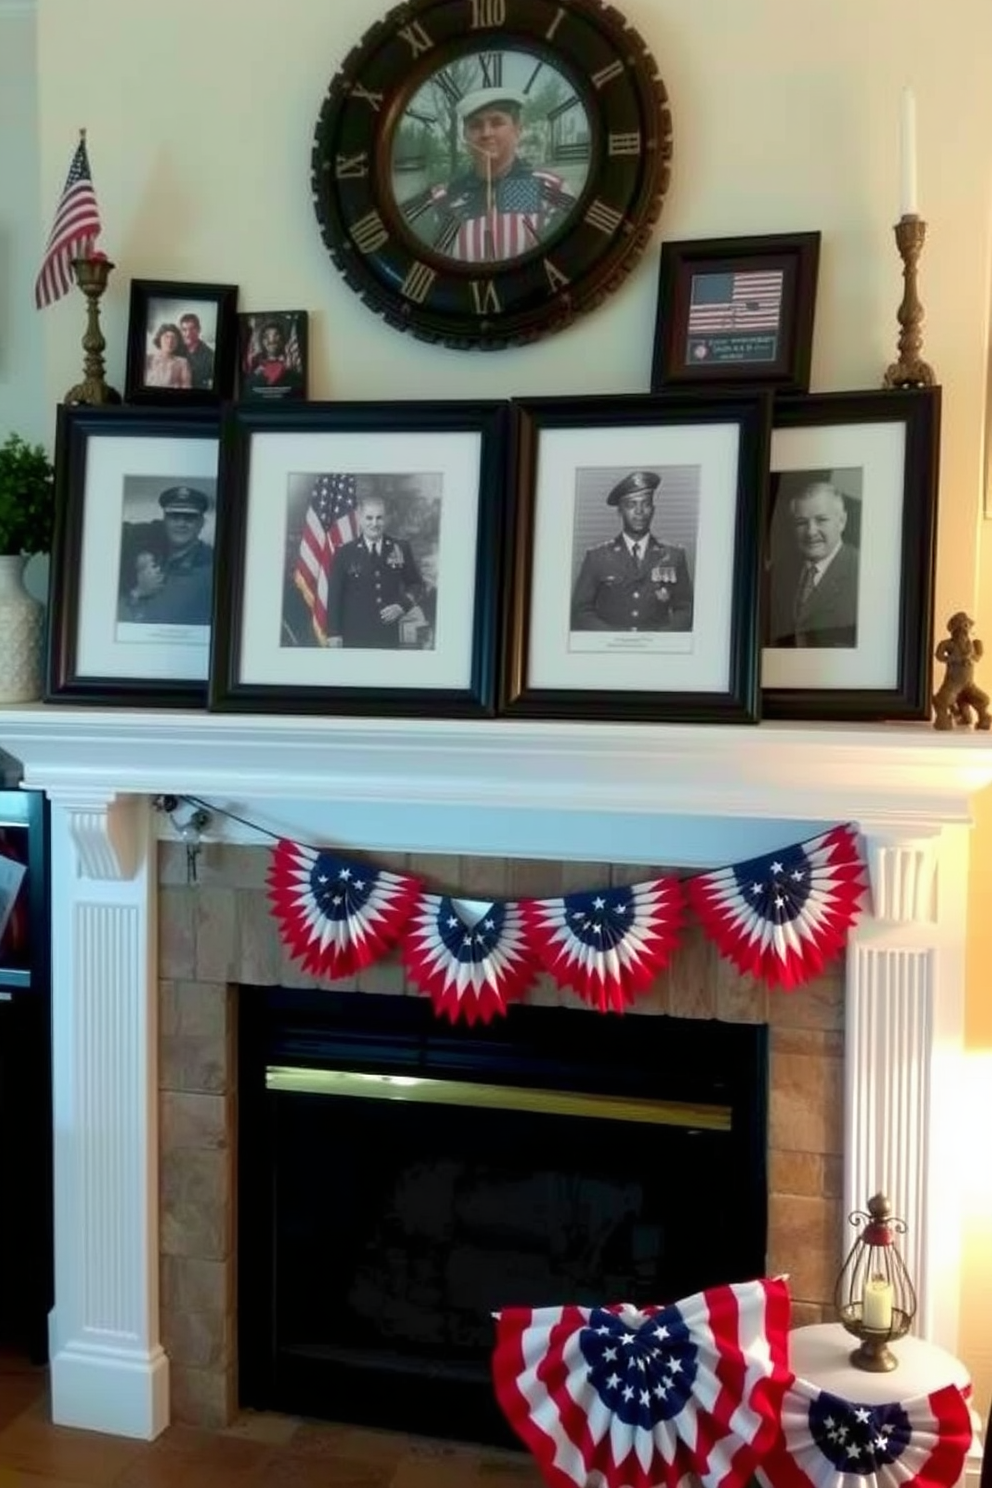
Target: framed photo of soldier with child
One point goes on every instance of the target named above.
(358, 562)
(849, 556)
(634, 559)
(181, 343)
(133, 541)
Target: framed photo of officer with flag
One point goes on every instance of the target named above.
(634, 556)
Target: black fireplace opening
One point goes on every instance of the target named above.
(401, 1179)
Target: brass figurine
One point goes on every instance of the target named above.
(957, 697)
(910, 371)
(92, 275)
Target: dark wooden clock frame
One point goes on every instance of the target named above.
(422, 284)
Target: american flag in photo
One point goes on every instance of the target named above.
(784, 915)
(329, 523)
(74, 231)
(735, 302)
(628, 1397)
(827, 1442)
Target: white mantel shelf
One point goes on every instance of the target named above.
(902, 772)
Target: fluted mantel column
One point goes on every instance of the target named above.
(904, 1029)
(108, 1370)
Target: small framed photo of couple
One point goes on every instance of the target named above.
(358, 558)
(736, 312)
(181, 343)
(635, 558)
(133, 545)
(849, 556)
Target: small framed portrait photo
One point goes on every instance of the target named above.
(135, 519)
(272, 356)
(181, 343)
(849, 556)
(736, 311)
(635, 558)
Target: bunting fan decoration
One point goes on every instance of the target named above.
(826, 1442)
(471, 958)
(335, 915)
(621, 1397)
(607, 945)
(783, 916)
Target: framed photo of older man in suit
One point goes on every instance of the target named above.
(635, 557)
(849, 554)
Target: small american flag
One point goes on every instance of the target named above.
(74, 231)
(735, 302)
(330, 522)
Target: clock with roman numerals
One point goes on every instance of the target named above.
(486, 170)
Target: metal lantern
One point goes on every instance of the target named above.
(874, 1296)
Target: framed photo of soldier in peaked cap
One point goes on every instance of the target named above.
(635, 555)
(133, 545)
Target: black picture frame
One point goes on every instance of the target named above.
(273, 372)
(866, 654)
(710, 331)
(107, 644)
(578, 636)
(159, 308)
(295, 479)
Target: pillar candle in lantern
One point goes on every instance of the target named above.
(876, 1304)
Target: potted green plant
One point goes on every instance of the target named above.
(27, 490)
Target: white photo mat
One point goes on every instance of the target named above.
(696, 661)
(104, 646)
(878, 450)
(455, 457)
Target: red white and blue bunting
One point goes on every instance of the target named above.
(621, 1397)
(779, 918)
(827, 1442)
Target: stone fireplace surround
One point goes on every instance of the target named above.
(575, 793)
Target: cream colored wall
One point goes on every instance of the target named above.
(200, 116)
(23, 408)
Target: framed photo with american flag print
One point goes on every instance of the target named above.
(736, 311)
(132, 565)
(358, 567)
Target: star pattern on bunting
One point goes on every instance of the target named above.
(827, 1442)
(471, 958)
(336, 916)
(608, 944)
(628, 1397)
(784, 915)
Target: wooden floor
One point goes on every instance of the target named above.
(258, 1451)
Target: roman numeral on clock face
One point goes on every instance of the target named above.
(606, 219)
(606, 74)
(491, 66)
(488, 13)
(374, 100)
(351, 167)
(624, 144)
(485, 297)
(419, 282)
(369, 232)
(416, 38)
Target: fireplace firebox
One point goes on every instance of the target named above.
(400, 1179)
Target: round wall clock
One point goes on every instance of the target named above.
(486, 170)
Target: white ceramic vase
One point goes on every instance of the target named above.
(22, 627)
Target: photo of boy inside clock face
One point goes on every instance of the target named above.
(491, 156)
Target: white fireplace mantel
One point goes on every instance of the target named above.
(686, 795)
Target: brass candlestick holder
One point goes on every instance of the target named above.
(910, 371)
(92, 275)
